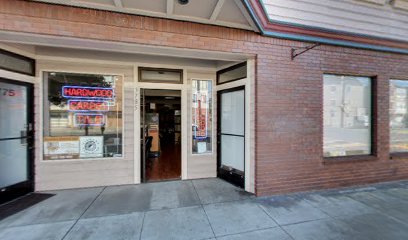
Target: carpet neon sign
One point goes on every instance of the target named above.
(87, 92)
(88, 106)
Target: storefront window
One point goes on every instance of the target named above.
(399, 116)
(82, 116)
(202, 116)
(347, 116)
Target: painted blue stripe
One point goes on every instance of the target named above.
(328, 41)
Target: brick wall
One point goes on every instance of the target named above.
(289, 134)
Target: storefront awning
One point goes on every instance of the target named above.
(228, 13)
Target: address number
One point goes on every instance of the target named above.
(7, 92)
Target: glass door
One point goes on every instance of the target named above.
(16, 139)
(231, 135)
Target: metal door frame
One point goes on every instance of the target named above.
(229, 176)
(22, 188)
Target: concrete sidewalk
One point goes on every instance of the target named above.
(212, 209)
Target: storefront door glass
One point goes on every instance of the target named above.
(15, 139)
(231, 135)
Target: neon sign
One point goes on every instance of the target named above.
(87, 92)
(89, 119)
(88, 106)
(201, 116)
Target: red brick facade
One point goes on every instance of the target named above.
(289, 107)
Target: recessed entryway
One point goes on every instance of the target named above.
(160, 134)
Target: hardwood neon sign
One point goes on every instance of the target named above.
(87, 92)
(88, 106)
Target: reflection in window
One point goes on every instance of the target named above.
(202, 116)
(399, 116)
(82, 116)
(347, 116)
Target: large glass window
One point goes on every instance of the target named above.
(202, 116)
(82, 116)
(399, 116)
(347, 116)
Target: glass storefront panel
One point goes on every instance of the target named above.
(13, 110)
(232, 132)
(13, 134)
(398, 116)
(202, 116)
(13, 162)
(347, 116)
(82, 116)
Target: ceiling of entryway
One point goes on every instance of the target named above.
(229, 13)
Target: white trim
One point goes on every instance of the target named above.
(118, 63)
(246, 15)
(16, 76)
(217, 10)
(170, 8)
(136, 131)
(17, 50)
(184, 127)
(114, 46)
(118, 3)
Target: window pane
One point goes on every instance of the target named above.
(233, 113)
(202, 116)
(160, 75)
(347, 116)
(82, 116)
(399, 116)
(233, 152)
(16, 63)
(231, 74)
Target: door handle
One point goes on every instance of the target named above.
(23, 135)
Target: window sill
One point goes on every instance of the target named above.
(349, 159)
(400, 155)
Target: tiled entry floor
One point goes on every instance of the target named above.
(212, 209)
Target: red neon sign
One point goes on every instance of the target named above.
(87, 105)
(87, 92)
(89, 119)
